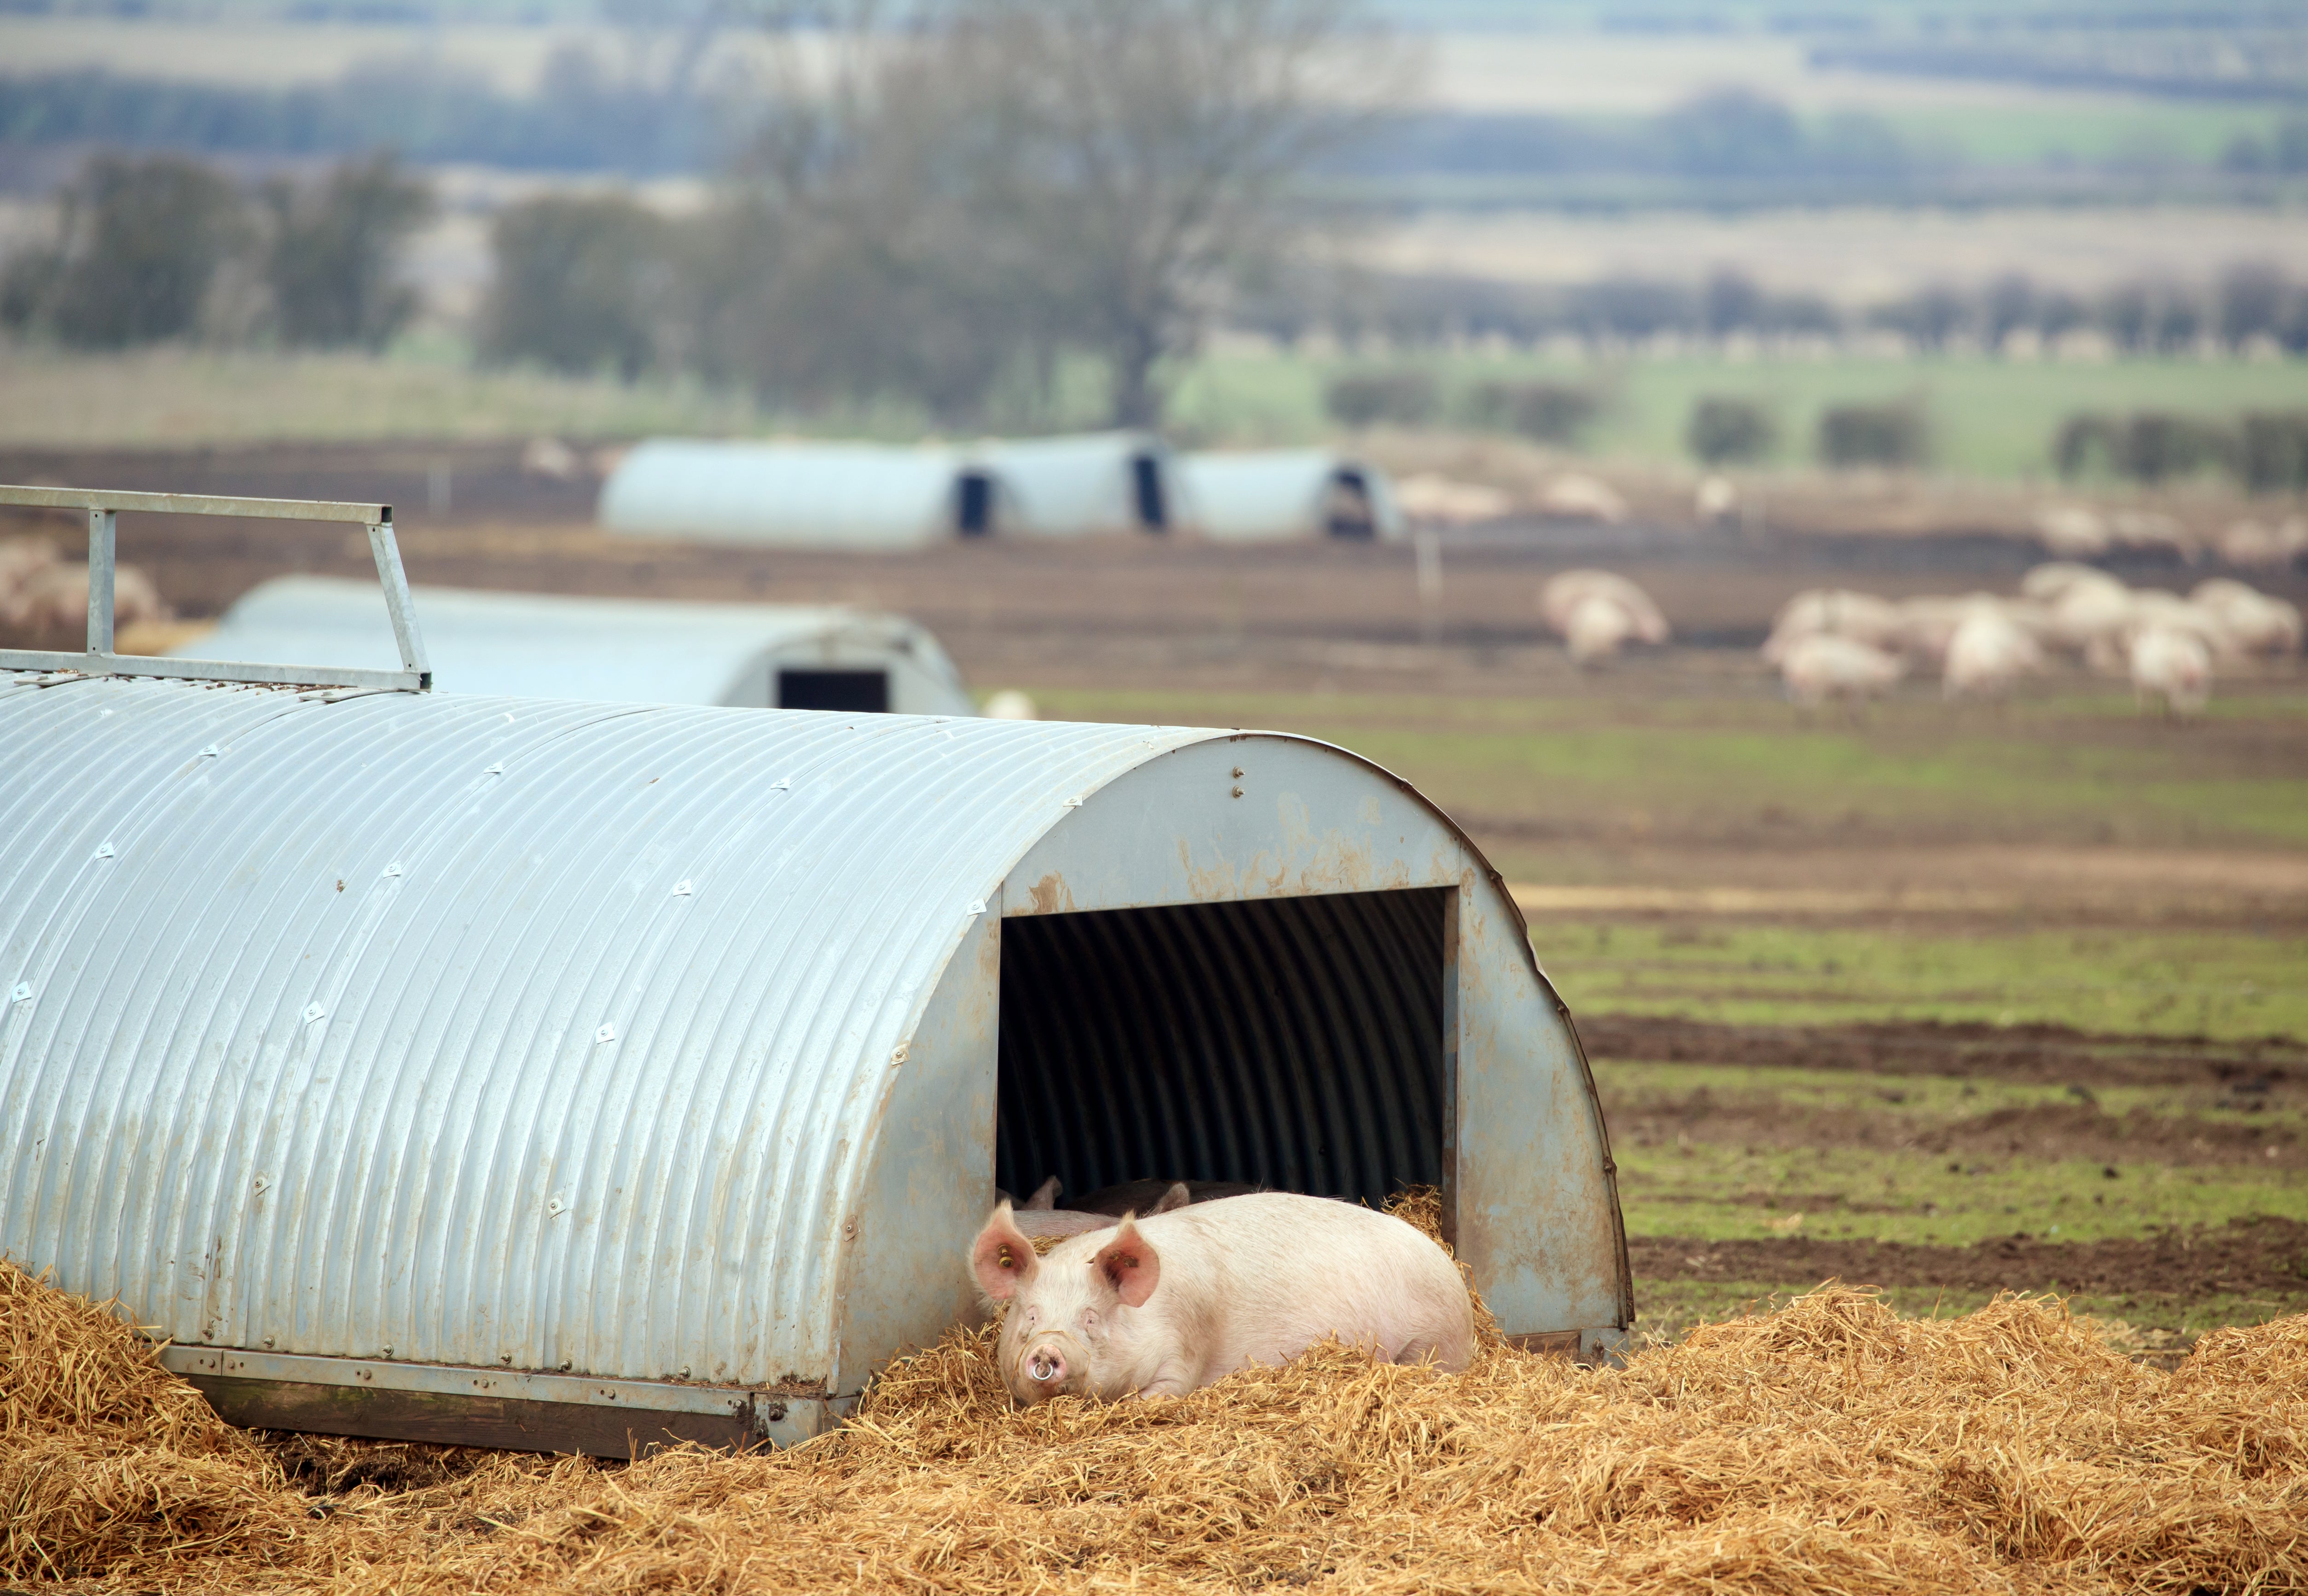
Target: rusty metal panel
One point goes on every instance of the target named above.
(627, 651)
(493, 1032)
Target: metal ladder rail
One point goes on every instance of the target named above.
(104, 509)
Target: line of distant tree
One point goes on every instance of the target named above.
(1721, 430)
(947, 216)
(2248, 303)
(157, 248)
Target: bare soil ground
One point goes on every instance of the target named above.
(2046, 1054)
(2265, 1257)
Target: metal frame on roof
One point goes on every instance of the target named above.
(104, 507)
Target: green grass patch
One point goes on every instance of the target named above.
(1874, 1193)
(2227, 986)
(2068, 770)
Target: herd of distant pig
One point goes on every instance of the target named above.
(43, 596)
(1837, 646)
(1159, 1287)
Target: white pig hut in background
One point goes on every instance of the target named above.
(573, 1075)
(1079, 487)
(868, 497)
(861, 496)
(532, 645)
(1277, 495)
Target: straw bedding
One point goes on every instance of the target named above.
(1829, 1446)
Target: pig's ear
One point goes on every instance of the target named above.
(1177, 1196)
(1003, 1259)
(1129, 1264)
(1045, 1195)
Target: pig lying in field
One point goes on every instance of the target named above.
(1163, 1306)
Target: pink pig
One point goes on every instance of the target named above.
(1164, 1305)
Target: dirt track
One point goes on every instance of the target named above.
(2259, 1258)
(2045, 1053)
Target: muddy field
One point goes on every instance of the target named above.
(1945, 1000)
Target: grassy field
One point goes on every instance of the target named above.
(2227, 986)
(2078, 767)
(1792, 1099)
(1991, 418)
(1900, 1187)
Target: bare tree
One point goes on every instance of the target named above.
(1048, 174)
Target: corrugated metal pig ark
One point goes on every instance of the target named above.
(576, 1075)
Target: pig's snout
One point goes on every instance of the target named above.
(1048, 1368)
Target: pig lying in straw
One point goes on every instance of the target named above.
(1163, 1306)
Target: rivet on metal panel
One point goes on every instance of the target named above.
(260, 1186)
(387, 1349)
(495, 769)
(607, 1032)
(555, 1207)
(567, 1364)
(1070, 803)
(898, 1053)
(1237, 773)
(314, 1011)
(22, 992)
(211, 751)
(393, 869)
(104, 850)
(975, 908)
(849, 1230)
(685, 1372)
(1237, 792)
(784, 784)
(681, 889)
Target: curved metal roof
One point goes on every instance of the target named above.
(475, 1029)
(791, 494)
(654, 1043)
(1079, 486)
(875, 496)
(532, 645)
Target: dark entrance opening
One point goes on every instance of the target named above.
(973, 504)
(856, 690)
(1347, 512)
(1146, 483)
(1293, 1042)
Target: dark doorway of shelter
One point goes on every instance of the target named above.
(973, 504)
(1294, 1043)
(1346, 508)
(1146, 481)
(855, 690)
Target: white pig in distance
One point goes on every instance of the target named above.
(1164, 1305)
